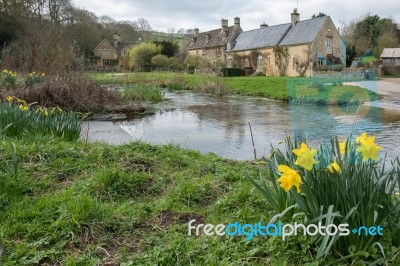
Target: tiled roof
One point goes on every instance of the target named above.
(304, 31)
(213, 38)
(390, 53)
(120, 46)
(260, 38)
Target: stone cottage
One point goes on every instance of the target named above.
(214, 44)
(292, 49)
(112, 55)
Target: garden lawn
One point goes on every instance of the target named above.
(278, 88)
(96, 204)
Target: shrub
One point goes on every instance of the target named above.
(232, 72)
(196, 61)
(160, 61)
(141, 54)
(340, 183)
(70, 92)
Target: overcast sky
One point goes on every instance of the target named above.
(206, 14)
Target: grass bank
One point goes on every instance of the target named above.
(66, 203)
(299, 90)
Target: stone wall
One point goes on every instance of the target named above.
(346, 74)
(390, 70)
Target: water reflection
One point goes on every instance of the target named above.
(220, 124)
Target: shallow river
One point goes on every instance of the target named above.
(221, 124)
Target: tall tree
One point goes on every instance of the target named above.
(319, 15)
(167, 48)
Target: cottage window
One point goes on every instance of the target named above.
(106, 62)
(260, 63)
(218, 51)
(229, 63)
(246, 63)
(105, 52)
(269, 62)
(203, 51)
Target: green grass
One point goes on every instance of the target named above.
(91, 204)
(142, 93)
(278, 88)
(369, 59)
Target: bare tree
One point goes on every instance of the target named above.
(143, 24)
(56, 10)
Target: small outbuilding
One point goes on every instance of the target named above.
(391, 56)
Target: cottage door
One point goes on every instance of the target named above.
(329, 49)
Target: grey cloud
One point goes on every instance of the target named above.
(206, 14)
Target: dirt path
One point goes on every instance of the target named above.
(389, 88)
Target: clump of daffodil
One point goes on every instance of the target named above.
(367, 147)
(305, 156)
(289, 178)
(334, 168)
(9, 78)
(34, 78)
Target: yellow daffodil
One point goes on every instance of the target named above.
(369, 151)
(334, 168)
(305, 156)
(342, 147)
(43, 74)
(363, 139)
(9, 98)
(303, 149)
(23, 107)
(368, 148)
(46, 113)
(289, 178)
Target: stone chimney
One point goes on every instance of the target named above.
(224, 24)
(295, 17)
(117, 39)
(237, 22)
(196, 33)
(263, 26)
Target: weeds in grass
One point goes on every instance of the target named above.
(215, 86)
(143, 93)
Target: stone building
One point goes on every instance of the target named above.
(112, 55)
(390, 57)
(213, 44)
(291, 49)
